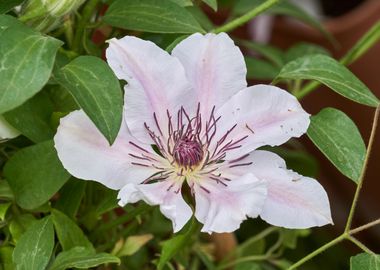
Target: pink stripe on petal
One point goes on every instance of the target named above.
(267, 114)
(86, 153)
(294, 201)
(156, 83)
(214, 66)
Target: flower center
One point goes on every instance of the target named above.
(187, 152)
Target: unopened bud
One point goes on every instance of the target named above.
(46, 14)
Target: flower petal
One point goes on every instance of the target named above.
(167, 194)
(222, 208)
(86, 154)
(156, 83)
(214, 66)
(266, 114)
(293, 201)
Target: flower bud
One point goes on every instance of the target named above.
(45, 15)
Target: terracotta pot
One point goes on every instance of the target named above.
(347, 29)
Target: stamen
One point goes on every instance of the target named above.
(139, 164)
(239, 159)
(139, 147)
(241, 164)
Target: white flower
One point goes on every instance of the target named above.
(195, 107)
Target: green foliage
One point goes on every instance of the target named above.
(330, 72)
(365, 261)
(27, 59)
(7, 5)
(212, 3)
(34, 249)
(70, 197)
(260, 69)
(33, 118)
(172, 246)
(131, 245)
(32, 185)
(337, 136)
(52, 63)
(81, 258)
(156, 16)
(97, 90)
(68, 233)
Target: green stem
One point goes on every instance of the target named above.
(365, 226)
(88, 11)
(246, 17)
(360, 244)
(366, 42)
(318, 251)
(363, 172)
(348, 232)
(361, 47)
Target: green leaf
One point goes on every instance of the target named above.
(303, 49)
(328, 71)
(273, 54)
(35, 246)
(6, 258)
(183, 3)
(365, 261)
(337, 136)
(81, 258)
(248, 266)
(131, 245)
(175, 43)
(5, 191)
(32, 118)
(26, 63)
(157, 16)
(177, 243)
(3, 210)
(68, 232)
(212, 4)
(290, 236)
(35, 174)
(97, 90)
(201, 18)
(7, 5)
(70, 197)
(62, 99)
(19, 224)
(260, 69)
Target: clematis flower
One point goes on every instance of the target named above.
(190, 119)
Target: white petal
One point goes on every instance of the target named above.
(86, 154)
(293, 201)
(156, 83)
(6, 130)
(267, 114)
(166, 194)
(214, 66)
(223, 208)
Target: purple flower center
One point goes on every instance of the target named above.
(187, 152)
